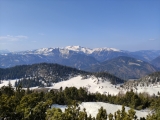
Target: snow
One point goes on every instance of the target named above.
(62, 107)
(92, 108)
(32, 88)
(65, 50)
(93, 85)
(131, 63)
(139, 60)
(41, 51)
(106, 49)
(44, 51)
(153, 89)
(79, 49)
(89, 51)
(6, 82)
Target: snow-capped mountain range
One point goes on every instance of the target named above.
(65, 50)
(74, 56)
(146, 55)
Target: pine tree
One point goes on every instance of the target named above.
(110, 116)
(132, 114)
(102, 114)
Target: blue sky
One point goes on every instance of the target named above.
(123, 24)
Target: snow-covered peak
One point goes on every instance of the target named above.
(106, 49)
(44, 51)
(73, 47)
(88, 50)
(65, 50)
(79, 49)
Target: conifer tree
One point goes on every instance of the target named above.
(110, 116)
(102, 114)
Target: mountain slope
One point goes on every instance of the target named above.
(146, 55)
(148, 84)
(36, 74)
(59, 56)
(91, 83)
(79, 61)
(156, 62)
(54, 72)
(104, 54)
(75, 56)
(152, 78)
(125, 67)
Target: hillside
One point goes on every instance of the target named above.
(151, 78)
(148, 84)
(146, 55)
(92, 84)
(125, 67)
(80, 61)
(45, 74)
(156, 62)
(39, 70)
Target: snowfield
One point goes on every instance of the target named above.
(131, 63)
(94, 85)
(6, 82)
(92, 108)
(104, 87)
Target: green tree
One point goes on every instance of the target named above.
(54, 114)
(110, 116)
(102, 114)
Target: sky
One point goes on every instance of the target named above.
(123, 24)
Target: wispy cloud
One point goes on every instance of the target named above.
(13, 38)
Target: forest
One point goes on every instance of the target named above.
(20, 104)
(44, 74)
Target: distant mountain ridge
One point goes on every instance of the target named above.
(65, 50)
(59, 55)
(125, 67)
(156, 62)
(64, 56)
(78, 57)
